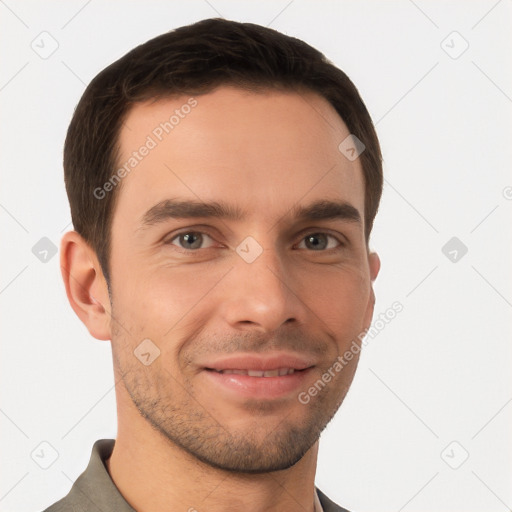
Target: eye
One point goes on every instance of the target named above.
(190, 240)
(320, 242)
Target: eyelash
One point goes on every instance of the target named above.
(303, 237)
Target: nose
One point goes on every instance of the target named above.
(260, 295)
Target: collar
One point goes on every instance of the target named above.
(95, 486)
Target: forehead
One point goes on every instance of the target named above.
(264, 150)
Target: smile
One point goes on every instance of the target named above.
(260, 373)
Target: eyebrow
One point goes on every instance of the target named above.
(177, 209)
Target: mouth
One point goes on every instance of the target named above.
(264, 377)
(279, 372)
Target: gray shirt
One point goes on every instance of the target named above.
(94, 490)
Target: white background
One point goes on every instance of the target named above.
(438, 373)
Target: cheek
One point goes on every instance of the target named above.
(160, 302)
(341, 301)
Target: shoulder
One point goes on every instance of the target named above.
(93, 490)
(68, 505)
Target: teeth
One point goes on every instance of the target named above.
(260, 373)
(256, 373)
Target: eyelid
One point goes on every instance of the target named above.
(174, 236)
(205, 230)
(341, 243)
(340, 237)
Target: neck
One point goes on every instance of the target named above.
(153, 474)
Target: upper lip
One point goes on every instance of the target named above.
(261, 362)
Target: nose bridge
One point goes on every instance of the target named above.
(270, 271)
(263, 272)
(258, 292)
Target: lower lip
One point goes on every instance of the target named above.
(259, 387)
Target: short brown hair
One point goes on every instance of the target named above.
(195, 59)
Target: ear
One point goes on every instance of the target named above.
(85, 284)
(374, 266)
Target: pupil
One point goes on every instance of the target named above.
(191, 239)
(316, 241)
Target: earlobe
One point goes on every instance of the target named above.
(374, 263)
(85, 284)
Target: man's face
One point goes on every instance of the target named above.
(267, 291)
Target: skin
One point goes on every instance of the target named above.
(179, 435)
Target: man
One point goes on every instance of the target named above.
(223, 181)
